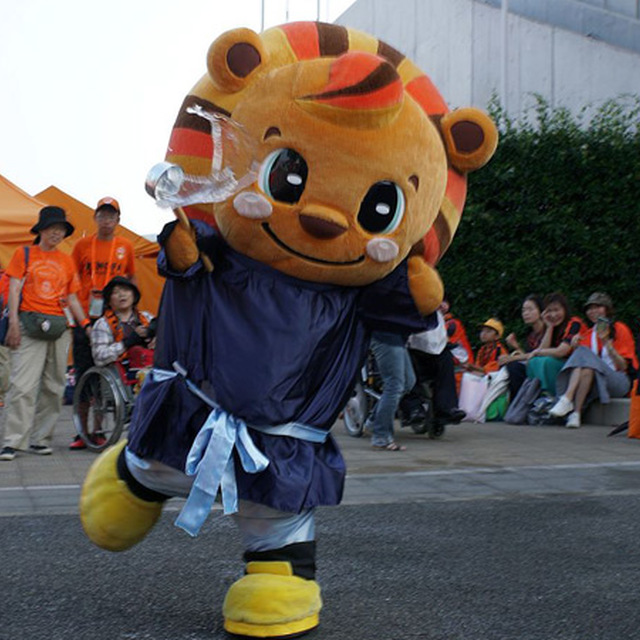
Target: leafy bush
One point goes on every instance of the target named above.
(556, 209)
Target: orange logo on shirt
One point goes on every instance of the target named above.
(47, 279)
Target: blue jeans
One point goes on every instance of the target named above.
(398, 378)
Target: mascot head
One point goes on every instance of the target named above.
(357, 158)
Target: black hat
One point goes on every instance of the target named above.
(120, 281)
(50, 216)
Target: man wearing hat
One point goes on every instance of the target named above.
(98, 258)
(42, 299)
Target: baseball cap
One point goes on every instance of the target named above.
(495, 324)
(108, 202)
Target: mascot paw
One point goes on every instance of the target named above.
(270, 602)
(425, 285)
(112, 517)
(181, 248)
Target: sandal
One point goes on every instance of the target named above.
(392, 446)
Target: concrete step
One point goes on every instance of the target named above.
(615, 412)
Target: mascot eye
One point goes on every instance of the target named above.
(382, 208)
(283, 175)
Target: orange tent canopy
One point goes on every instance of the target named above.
(19, 212)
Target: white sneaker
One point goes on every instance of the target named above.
(562, 407)
(573, 421)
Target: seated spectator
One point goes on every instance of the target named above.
(602, 366)
(458, 341)
(491, 349)
(516, 360)
(433, 361)
(122, 328)
(549, 357)
(475, 393)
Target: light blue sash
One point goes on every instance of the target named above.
(210, 458)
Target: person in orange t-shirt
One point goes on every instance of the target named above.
(602, 366)
(98, 258)
(43, 280)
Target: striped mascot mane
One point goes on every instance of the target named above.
(369, 79)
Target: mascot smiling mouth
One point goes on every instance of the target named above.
(287, 248)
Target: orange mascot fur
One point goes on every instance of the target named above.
(342, 182)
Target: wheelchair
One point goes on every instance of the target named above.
(368, 390)
(102, 405)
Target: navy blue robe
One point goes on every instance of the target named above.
(270, 349)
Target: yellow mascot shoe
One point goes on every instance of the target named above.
(112, 516)
(270, 602)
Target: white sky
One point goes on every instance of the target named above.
(89, 90)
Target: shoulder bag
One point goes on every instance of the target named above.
(41, 326)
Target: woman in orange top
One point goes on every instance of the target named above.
(602, 366)
(561, 327)
(42, 296)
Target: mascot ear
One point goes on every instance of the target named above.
(234, 57)
(470, 137)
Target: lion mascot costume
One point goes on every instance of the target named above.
(350, 179)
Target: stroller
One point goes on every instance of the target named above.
(416, 410)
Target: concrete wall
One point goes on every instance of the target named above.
(460, 45)
(615, 22)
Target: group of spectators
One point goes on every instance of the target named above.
(93, 292)
(575, 360)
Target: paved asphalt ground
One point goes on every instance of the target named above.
(494, 532)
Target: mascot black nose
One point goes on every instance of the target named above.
(320, 228)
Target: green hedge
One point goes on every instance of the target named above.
(556, 209)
